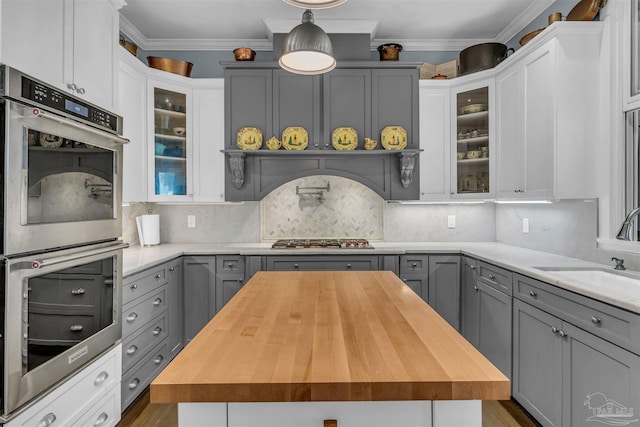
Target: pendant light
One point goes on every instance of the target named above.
(315, 4)
(307, 49)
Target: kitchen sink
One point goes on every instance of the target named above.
(595, 275)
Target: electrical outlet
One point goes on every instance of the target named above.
(451, 221)
(191, 221)
(525, 225)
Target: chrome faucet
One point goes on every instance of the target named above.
(619, 263)
(626, 230)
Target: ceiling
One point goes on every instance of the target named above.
(416, 24)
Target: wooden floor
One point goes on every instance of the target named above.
(144, 414)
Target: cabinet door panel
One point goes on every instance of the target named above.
(248, 101)
(395, 102)
(470, 295)
(174, 305)
(435, 130)
(598, 377)
(495, 327)
(347, 102)
(226, 287)
(444, 287)
(418, 284)
(208, 138)
(199, 294)
(537, 363)
(296, 102)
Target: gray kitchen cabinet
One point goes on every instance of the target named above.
(347, 102)
(296, 103)
(322, 263)
(199, 293)
(175, 308)
(470, 301)
(487, 307)
(444, 287)
(414, 271)
(565, 376)
(230, 271)
(253, 264)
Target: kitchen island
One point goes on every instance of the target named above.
(297, 348)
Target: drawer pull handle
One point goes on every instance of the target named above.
(79, 291)
(555, 330)
(157, 331)
(171, 269)
(562, 334)
(47, 420)
(133, 384)
(157, 302)
(348, 265)
(158, 360)
(108, 282)
(133, 316)
(158, 276)
(533, 294)
(132, 350)
(230, 265)
(595, 320)
(492, 277)
(414, 265)
(134, 286)
(76, 328)
(102, 377)
(296, 266)
(102, 418)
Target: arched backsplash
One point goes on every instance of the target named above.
(349, 210)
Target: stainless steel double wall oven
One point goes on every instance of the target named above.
(61, 187)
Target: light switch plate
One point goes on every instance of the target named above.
(451, 221)
(191, 221)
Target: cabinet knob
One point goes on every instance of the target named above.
(131, 350)
(157, 277)
(102, 377)
(133, 384)
(134, 286)
(471, 266)
(492, 277)
(562, 334)
(102, 418)
(475, 288)
(171, 269)
(595, 320)
(533, 294)
(240, 280)
(555, 330)
(158, 360)
(47, 420)
(230, 265)
(296, 266)
(72, 86)
(157, 302)
(348, 265)
(80, 90)
(132, 317)
(414, 265)
(157, 331)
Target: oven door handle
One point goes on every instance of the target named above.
(36, 112)
(37, 263)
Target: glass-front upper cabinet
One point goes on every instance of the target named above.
(171, 147)
(472, 172)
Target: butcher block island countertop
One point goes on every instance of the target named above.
(328, 336)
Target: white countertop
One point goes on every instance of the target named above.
(513, 258)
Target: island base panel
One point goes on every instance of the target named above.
(415, 413)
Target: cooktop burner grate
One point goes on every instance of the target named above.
(322, 243)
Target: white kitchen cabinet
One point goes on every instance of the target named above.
(133, 107)
(435, 134)
(548, 117)
(71, 44)
(473, 116)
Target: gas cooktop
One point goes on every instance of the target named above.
(322, 243)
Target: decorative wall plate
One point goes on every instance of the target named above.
(295, 138)
(394, 138)
(273, 143)
(344, 139)
(249, 139)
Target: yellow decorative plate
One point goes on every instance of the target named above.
(249, 139)
(273, 143)
(344, 139)
(394, 138)
(295, 138)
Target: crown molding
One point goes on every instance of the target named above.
(330, 26)
(524, 19)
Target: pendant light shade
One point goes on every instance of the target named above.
(315, 4)
(307, 49)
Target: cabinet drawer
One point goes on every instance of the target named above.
(105, 413)
(610, 323)
(229, 264)
(414, 264)
(66, 289)
(496, 277)
(137, 314)
(141, 375)
(135, 347)
(66, 402)
(139, 284)
(52, 328)
(324, 263)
